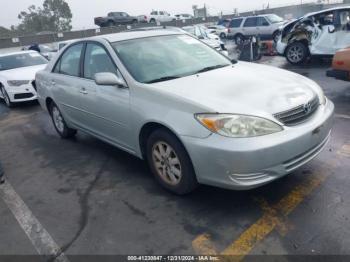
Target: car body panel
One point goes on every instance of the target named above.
(341, 65)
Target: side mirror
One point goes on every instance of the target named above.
(201, 37)
(109, 79)
(331, 29)
(266, 24)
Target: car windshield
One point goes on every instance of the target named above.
(274, 19)
(162, 58)
(21, 60)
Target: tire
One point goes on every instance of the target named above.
(152, 20)
(297, 53)
(59, 123)
(6, 97)
(223, 36)
(172, 168)
(239, 38)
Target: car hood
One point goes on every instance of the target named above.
(243, 88)
(23, 73)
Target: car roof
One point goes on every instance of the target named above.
(327, 10)
(17, 53)
(129, 35)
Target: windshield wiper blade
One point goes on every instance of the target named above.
(161, 79)
(209, 68)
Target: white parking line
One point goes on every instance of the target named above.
(342, 116)
(40, 238)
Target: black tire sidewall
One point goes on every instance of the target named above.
(4, 93)
(188, 182)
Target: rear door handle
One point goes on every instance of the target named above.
(83, 91)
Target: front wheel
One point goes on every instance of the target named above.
(170, 163)
(6, 98)
(60, 125)
(222, 35)
(296, 53)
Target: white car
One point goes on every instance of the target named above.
(219, 30)
(160, 16)
(17, 74)
(202, 34)
(319, 34)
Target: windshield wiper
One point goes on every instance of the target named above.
(161, 79)
(209, 68)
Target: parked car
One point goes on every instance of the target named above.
(17, 74)
(160, 16)
(184, 16)
(195, 116)
(115, 18)
(265, 26)
(319, 34)
(142, 19)
(219, 30)
(47, 51)
(201, 33)
(341, 65)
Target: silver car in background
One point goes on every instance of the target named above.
(194, 115)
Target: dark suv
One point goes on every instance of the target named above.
(115, 18)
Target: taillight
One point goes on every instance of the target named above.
(340, 63)
(228, 30)
(145, 17)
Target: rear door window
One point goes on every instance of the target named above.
(251, 22)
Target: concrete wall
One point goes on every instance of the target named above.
(294, 11)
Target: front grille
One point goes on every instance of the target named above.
(298, 114)
(23, 96)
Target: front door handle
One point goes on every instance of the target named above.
(83, 91)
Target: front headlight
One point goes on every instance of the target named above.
(238, 126)
(17, 82)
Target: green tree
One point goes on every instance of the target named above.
(54, 15)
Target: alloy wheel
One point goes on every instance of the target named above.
(167, 163)
(58, 119)
(295, 54)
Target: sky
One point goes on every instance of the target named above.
(85, 10)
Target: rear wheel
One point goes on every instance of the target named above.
(222, 35)
(6, 97)
(297, 53)
(60, 125)
(170, 163)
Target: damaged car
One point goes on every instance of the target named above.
(319, 34)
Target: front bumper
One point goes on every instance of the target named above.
(247, 163)
(21, 93)
(339, 74)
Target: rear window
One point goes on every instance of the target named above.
(236, 23)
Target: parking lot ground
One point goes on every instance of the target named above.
(92, 198)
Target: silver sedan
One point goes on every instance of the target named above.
(194, 115)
